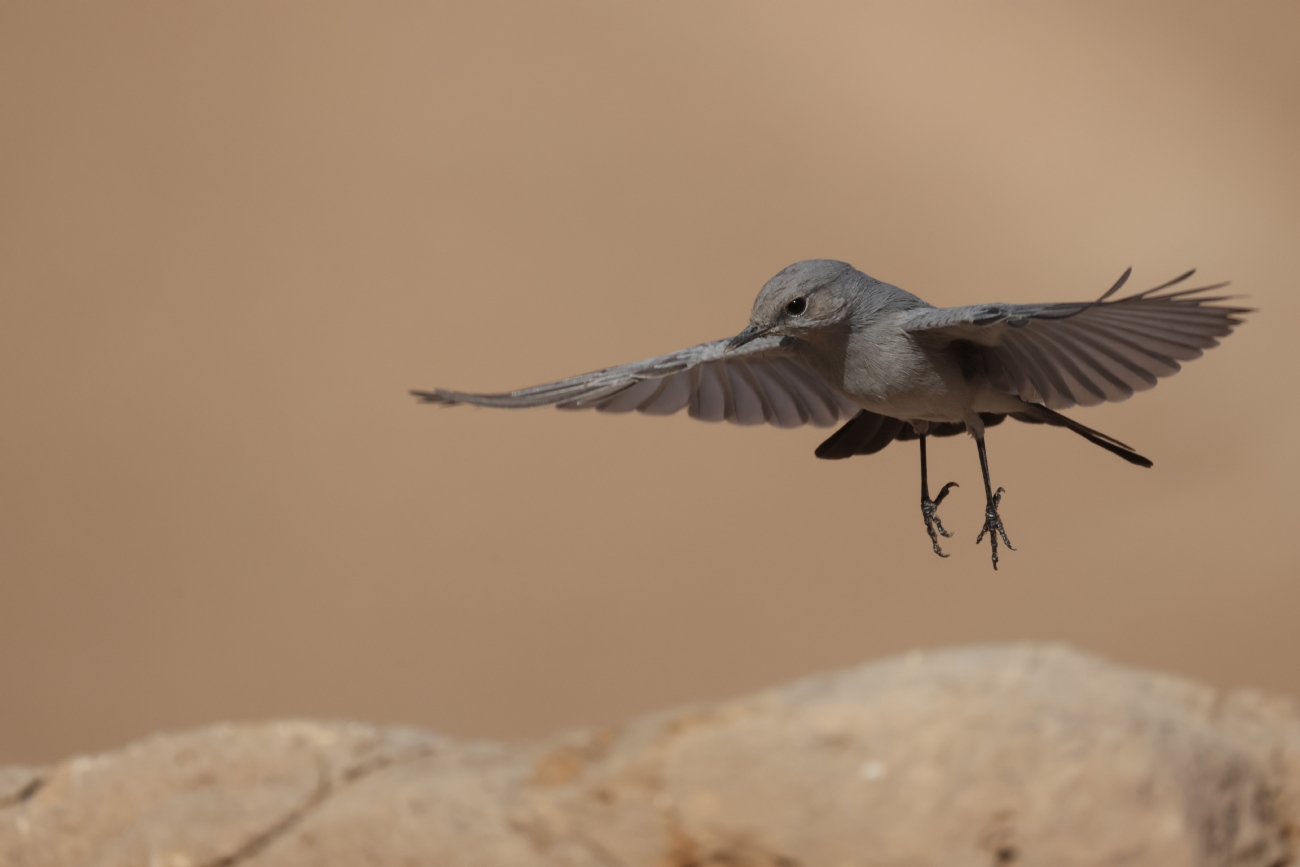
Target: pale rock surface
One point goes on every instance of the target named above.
(1021, 755)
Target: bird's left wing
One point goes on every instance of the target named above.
(1085, 353)
(763, 381)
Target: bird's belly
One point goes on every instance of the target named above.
(927, 407)
(921, 386)
(932, 398)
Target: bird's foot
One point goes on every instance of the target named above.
(929, 509)
(993, 526)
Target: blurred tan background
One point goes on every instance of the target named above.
(233, 234)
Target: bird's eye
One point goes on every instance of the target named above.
(797, 306)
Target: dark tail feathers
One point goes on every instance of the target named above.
(1042, 415)
(864, 434)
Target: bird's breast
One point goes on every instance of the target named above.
(888, 372)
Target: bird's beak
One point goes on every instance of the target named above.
(753, 332)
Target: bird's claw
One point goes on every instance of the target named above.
(929, 509)
(993, 526)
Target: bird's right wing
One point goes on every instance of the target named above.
(1060, 355)
(763, 381)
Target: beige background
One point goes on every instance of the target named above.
(233, 234)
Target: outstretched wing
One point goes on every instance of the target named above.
(1061, 355)
(761, 382)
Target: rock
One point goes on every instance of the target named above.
(982, 756)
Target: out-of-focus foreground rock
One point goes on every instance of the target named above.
(993, 755)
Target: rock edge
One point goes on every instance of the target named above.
(979, 755)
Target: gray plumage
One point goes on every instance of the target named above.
(827, 343)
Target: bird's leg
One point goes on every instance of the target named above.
(930, 507)
(992, 521)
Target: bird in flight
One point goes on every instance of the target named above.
(827, 343)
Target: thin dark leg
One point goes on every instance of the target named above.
(930, 507)
(992, 521)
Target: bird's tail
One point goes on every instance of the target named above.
(1039, 414)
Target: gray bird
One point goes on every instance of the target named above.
(825, 342)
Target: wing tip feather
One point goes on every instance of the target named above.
(437, 396)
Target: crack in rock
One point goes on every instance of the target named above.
(326, 787)
(261, 840)
(23, 794)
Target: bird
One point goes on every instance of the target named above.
(827, 344)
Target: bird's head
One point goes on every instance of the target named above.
(805, 298)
